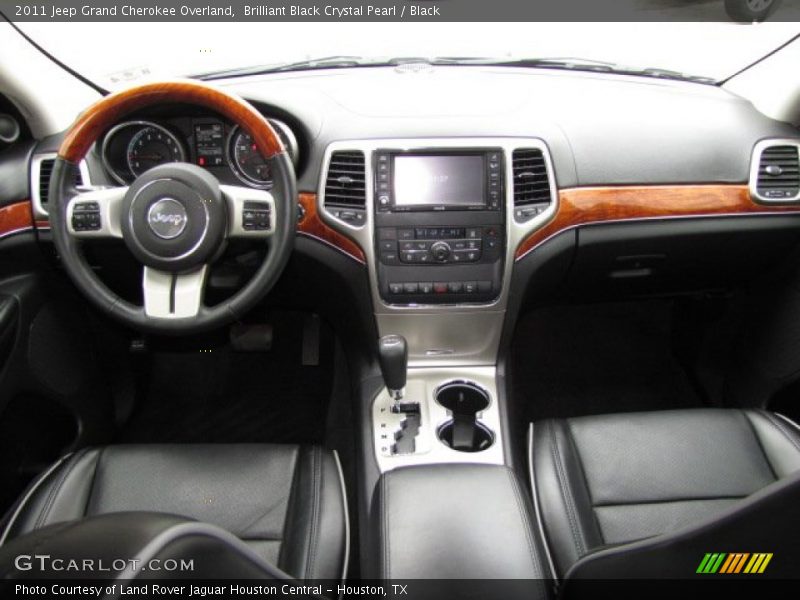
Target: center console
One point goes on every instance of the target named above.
(437, 221)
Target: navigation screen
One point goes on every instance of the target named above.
(439, 180)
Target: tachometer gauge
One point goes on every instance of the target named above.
(151, 146)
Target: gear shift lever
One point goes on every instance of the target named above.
(393, 358)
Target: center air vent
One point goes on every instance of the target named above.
(345, 186)
(532, 194)
(779, 173)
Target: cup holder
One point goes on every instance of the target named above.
(463, 432)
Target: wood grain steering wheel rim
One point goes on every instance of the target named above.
(172, 291)
(106, 112)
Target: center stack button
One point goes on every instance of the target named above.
(440, 251)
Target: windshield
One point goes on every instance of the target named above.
(133, 53)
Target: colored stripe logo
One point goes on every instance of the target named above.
(734, 563)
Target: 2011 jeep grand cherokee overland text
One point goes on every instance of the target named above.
(285, 316)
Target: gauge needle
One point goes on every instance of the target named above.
(149, 156)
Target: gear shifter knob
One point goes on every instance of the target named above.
(393, 358)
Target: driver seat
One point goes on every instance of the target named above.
(286, 502)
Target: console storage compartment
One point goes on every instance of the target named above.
(458, 521)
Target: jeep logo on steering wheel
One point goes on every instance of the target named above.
(167, 218)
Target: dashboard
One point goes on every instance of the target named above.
(448, 188)
(132, 147)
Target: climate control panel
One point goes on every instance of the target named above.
(440, 264)
(439, 245)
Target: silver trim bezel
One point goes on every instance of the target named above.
(364, 234)
(755, 163)
(423, 383)
(36, 167)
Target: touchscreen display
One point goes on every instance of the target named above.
(439, 180)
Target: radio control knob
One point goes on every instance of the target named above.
(440, 251)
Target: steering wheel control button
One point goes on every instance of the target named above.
(167, 218)
(86, 216)
(255, 216)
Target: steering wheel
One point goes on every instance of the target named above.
(174, 218)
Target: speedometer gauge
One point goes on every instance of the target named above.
(151, 146)
(246, 160)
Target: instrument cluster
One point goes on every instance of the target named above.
(132, 147)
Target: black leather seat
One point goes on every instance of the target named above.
(285, 502)
(683, 480)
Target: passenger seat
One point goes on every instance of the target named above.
(649, 494)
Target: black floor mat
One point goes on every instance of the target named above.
(606, 358)
(213, 394)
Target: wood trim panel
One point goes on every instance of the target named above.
(108, 111)
(312, 225)
(581, 206)
(15, 217)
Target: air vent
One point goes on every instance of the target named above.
(779, 173)
(345, 186)
(45, 171)
(531, 183)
